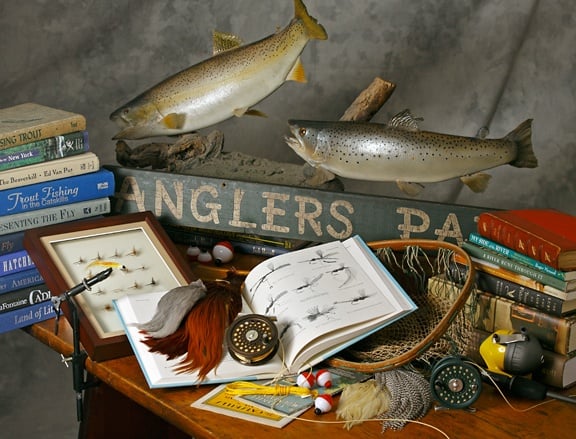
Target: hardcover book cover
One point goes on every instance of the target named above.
(44, 150)
(547, 235)
(10, 224)
(57, 192)
(15, 262)
(24, 297)
(26, 316)
(28, 122)
(20, 279)
(70, 166)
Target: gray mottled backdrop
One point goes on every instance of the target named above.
(459, 64)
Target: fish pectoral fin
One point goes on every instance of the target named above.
(222, 42)
(404, 120)
(239, 112)
(174, 121)
(409, 188)
(476, 182)
(297, 73)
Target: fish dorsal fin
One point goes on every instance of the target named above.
(174, 121)
(222, 42)
(297, 73)
(404, 120)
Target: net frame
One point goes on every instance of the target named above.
(400, 257)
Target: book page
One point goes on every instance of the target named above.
(325, 293)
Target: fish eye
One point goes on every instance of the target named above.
(302, 131)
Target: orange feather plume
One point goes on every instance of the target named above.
(201, 335)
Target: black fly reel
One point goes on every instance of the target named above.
(252, 339)
(455, 383)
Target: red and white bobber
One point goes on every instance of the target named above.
(324, 378)
(306, 380)
(323, 403)
(223, 252)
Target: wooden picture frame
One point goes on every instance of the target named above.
(135, 246)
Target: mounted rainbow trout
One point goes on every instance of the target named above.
(225, 85)
(400, 152)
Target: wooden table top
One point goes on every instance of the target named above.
(493, 417)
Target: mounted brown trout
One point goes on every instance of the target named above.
(400, 152)
(228, 84)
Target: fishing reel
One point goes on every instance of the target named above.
(455, 383)
(252, 339)
(512, 353)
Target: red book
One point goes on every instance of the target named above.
(547, 235)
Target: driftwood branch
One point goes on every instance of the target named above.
(191, 151)
(369, 101)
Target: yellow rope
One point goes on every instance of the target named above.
(247, 388)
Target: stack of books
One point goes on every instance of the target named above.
(526, 278)
(47, 176)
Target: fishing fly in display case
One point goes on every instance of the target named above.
(134, 247)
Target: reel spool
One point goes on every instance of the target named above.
(455, 383)
(252, 339)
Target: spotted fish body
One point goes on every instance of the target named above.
(225, 85)
(400, 152)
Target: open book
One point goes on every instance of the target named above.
(324, 299)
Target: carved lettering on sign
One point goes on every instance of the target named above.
(294, 214)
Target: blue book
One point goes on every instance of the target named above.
(15, 262)
(11, 242)
(21, 279)
(26, 316)
(68, 190)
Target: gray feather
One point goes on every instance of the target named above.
(172, 308)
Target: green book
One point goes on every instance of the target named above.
(509, 264)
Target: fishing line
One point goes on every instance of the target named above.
(247, 388)
(412, 421)
(485, 373)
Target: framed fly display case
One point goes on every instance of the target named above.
(139, 253)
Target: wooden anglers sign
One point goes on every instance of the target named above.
(285, 211)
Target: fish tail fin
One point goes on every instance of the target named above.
(314, 29)
(522, 137)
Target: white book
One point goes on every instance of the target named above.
(323, 299)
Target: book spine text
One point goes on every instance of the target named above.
(502, 261)
(44, 150)
(24, 297)
(496, 313)
(26, 316)
(75, 122)
(49, 171)
(477, 239)
(11, 243)
(15, 262)
(519, 239)
(54, 215)
(21, 279)
(513, 291)
(57, 192)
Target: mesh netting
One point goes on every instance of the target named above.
(442, 323)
